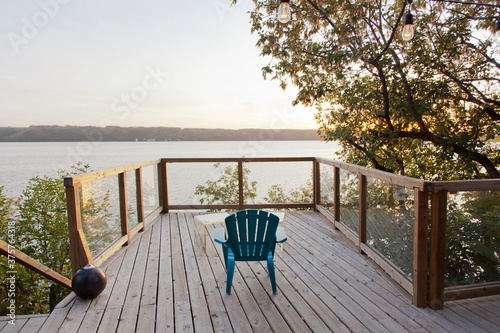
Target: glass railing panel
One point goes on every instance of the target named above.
(278, 182)
(473, 238)
(349, 199)
(131, 199)
(100, 213)
(389, 222)
(326, 195)
(150, 191)
(202, 183)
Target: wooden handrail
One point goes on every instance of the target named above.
(12, 253)
(244, 206)
(465, 185)
(91, 176)
(381, 175)
(238, 159)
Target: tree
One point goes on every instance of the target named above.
(225, 189)
(6, 210)
(41, 232)
(425, 108)
(42, 229)
(277, 194)
(473, 238)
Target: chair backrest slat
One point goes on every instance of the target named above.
(242, 230)
(261, 232)
(232, 231)
(252, 226)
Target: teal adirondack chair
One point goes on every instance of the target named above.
(251, 236)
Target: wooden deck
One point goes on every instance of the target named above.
(164, 282)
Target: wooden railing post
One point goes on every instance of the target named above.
(122, 184)
(336, 195)
(316, 184)
(362, 210)
(437, 249)
(240, 185)
(139, 197)
(79, 250)
(420, 258)
(163, 186)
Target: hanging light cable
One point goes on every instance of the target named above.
(284, 12)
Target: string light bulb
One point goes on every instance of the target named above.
(408, 31)
(284, 12)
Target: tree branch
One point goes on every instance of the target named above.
(393, 33)
(473, 99)
(370, 156)
(456, 148)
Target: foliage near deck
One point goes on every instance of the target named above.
(39, 228)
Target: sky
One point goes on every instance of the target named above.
(138, 63)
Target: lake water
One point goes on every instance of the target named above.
(20, 161)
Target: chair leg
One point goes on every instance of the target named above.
(230, 271)
(270, 269)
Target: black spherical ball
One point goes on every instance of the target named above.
(89, 282)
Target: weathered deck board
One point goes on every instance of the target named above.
(241, 290)
(182, 309)
(198, 303)
(147, 312)
(344, 285)
(23, 324)
(112, 312)
(93, 316)
(165, 298)
(218, 312)
(236, 314)
(130, 313)
(164, 282)
(352, 274)
(33, 324)
(17, 327)
(58, 315)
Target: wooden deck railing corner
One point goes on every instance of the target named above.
(80, 252)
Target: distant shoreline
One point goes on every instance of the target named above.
(145, 134)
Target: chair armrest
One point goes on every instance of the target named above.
(280, 235)
(220, 236)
